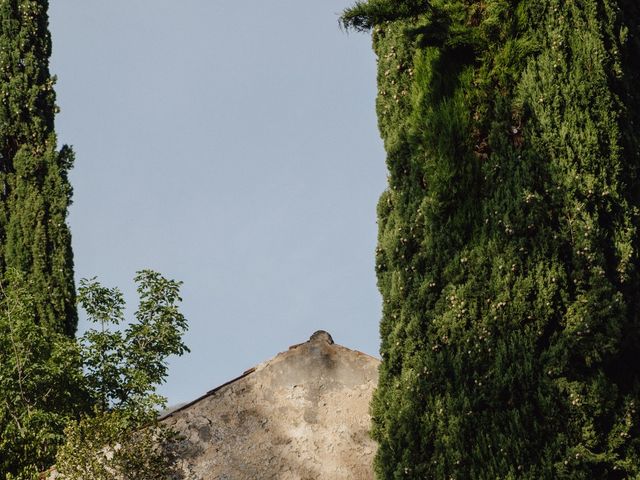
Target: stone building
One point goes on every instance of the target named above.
(301, 415)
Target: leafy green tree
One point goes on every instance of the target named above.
(508, 238)
(121, 437)
(34, 189)
(124, 367)
(73, 397)
(41, 384)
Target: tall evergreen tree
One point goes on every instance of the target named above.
(508, 238)
(35, 191)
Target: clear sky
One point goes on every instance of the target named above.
(232, 145)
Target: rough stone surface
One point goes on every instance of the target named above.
(302, 415)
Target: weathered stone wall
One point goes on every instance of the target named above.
(302, 415)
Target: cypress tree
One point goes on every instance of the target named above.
(508, 238)
(34, 236)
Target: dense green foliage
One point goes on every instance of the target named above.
(82, 394)
(41, 384)
(41, 381)
(112, 446)
(34, 189)
(508, 238)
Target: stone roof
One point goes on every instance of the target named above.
(302, 415)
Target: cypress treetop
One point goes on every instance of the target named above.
(34, 186)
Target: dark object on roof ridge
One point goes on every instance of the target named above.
(321, 336)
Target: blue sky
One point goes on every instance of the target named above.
(231, 145)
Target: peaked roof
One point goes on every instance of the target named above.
(303, 414)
